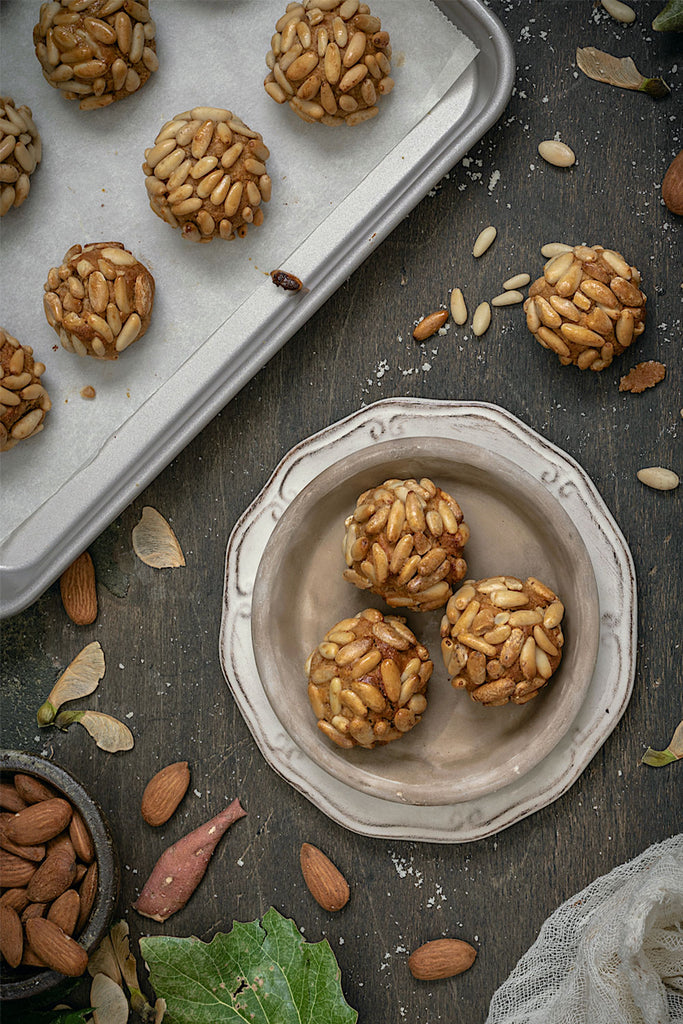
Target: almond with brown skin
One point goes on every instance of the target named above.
(81, 839)
(672, 186)
(78, 590)
(32, 790)
(56, 949)
(10, 799)
(11, 935)
(87, 893)
(53, 877)
(15, 898)
(327, 885)
(39, 822)
(164, 792)
(65, 911)
(15, 871)
(34, 853)
(441, 958)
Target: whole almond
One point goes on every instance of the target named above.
(34, 853)
(15, 898)
(87, 892)
(56, 949)
(164, 792)
(672, 186)
(33, 910)
(10, 799)
(81, 839)
(15, 871)
(327, 885)
(53, 877)
(31, 789)
(441, 958)
(65, 911)
(39, 822)
(11, 935)
(78, 590)
(430, 324)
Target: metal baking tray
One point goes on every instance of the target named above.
(41, 547)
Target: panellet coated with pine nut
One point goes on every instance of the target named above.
(367, 680)
(20, 153)
(330, 60)
(23, 398)
(206, 174)
(404, 541)
(587, 307)
(96, 51)
(501, 638)
(99, 299)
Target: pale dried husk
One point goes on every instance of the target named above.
(155, 543)
(108, 1000)
(79, 679)
(104, 961)
(618, 71)
(109, 734)
(674, 751)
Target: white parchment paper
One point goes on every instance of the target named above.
(90, 187)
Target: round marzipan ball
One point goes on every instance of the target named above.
(587, 307)
(330, 61)
(99, 300)
(23, 399)
(501, 638)
(206, 174)
(96, 51)
(20, 153)
(367, 680)
(405, 541)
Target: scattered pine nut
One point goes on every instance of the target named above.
(508, 298)
(430, 324)
(659, 478)
(481, 319)
(458, 307)
(559, 154)
(620, 12)
(551, 249)
(518, 281)
(484, 240)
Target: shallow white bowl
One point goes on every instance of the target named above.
(459, 750)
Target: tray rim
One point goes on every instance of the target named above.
(610, 689)
(32, 557)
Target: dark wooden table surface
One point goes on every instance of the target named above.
(159, 630)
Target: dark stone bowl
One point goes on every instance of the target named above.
(26, 982)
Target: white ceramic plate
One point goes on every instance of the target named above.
(460, 750)
(493, 429)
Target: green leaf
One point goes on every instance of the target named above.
(674, 751)
(260, 973)
(670, 18)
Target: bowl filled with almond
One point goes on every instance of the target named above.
(59, 876)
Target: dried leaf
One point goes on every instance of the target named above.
(104, 961)
(109, 734)
(155, 543)
(619, 71)
(674, 752)
(120, 940)
(108, 1000)
(670, 18)
(79, 679)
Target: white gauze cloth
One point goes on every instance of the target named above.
(613, 954)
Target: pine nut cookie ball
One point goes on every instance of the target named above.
(99, 299)
(502, 639)
(367, 680)
(20, 153)
(404, 541)
(96, 51)
(330, 60)
(587, 307)
(23, 399)
(206, 174)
